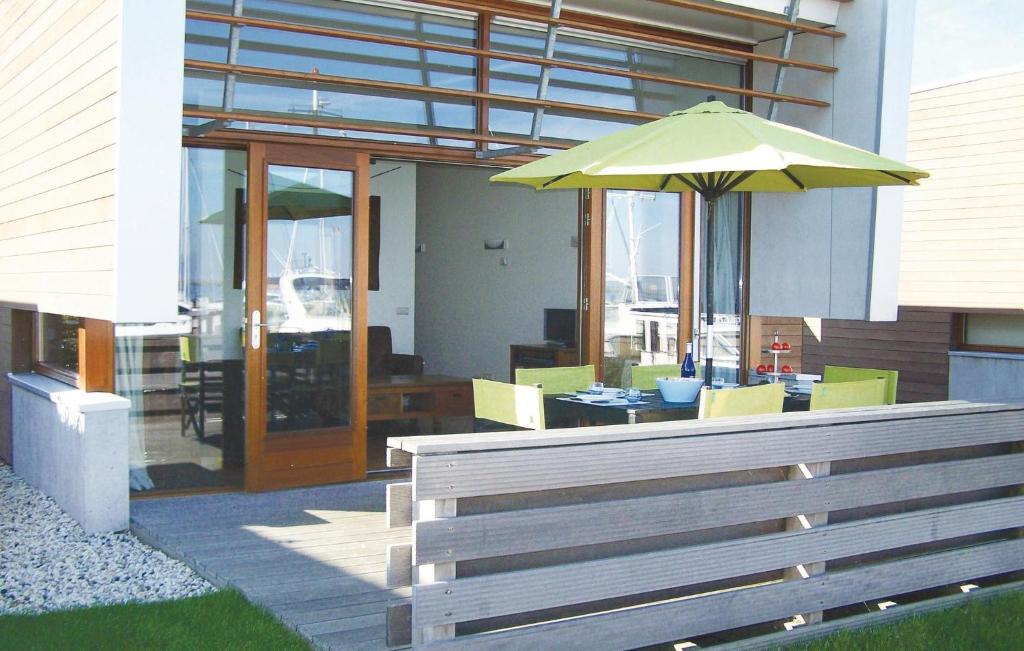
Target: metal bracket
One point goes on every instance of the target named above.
(792, 12)
(542, 91)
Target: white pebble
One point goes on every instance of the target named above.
(48, 563)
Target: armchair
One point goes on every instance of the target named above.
(381, 361)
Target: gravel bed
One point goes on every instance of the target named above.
(48, 563)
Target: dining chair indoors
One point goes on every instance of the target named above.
(511, 404)
(838, 395)
(558, 379)
(745, 401)
(645, 377)
(853, 374)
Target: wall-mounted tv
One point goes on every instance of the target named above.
(560, 327)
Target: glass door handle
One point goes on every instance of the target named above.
(254, 330)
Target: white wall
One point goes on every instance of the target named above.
(395, 184)
(469, 307)
(834, 253)
(149, 160)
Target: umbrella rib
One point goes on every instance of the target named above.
(723, 181)
(739, 179)
(896, 176)
(556, 179)
(792, 178)
(664, 182)
(688, 183)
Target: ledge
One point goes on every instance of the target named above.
(68, 396)
(1019, 357)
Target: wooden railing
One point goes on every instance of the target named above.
(627, 536)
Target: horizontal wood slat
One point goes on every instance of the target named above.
(520, 532)
(684, 618)
(495, 473)
(493, 595)
(624, 537)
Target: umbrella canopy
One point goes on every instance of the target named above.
(712, 149)
(289, 200)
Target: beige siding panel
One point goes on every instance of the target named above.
(80, 79)
(82, 214)
(86, 305)
(87, 189)
(58, 137)
(69, 34)
(72, 116)
(34, 21)
(99, 258)
(89, 141)
(964, 128)
(52, 180)
(68, 239)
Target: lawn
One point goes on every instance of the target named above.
(993, 624)
(221, 620)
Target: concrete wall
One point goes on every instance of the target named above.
(833, 253)
(986, 377)
(73, 446)
(395, 184)
(469, 307)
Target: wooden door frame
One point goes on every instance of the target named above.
(257, 477)
(592, 264)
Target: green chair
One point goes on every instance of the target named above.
(745, 401)
(511, 404)
(558, 379)
(838, 395)
(851, 374)
(644, 377)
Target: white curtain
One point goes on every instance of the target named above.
(129, 385)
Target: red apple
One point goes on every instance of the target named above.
(771, 368)
(786, 368)
(786, 346)
(761, 368)
(776, 345)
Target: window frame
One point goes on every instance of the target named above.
(960, 338)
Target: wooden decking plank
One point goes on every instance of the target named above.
(369, 620)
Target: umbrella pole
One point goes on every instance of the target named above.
(709, 291)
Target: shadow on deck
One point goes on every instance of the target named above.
(314, 557)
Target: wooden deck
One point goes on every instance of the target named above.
(314, 557)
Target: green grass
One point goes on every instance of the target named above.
(993, 624)
(221, 620)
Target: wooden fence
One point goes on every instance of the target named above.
(627, 536)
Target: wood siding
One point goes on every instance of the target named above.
(963, 229)
(916, 345)
(59, 81)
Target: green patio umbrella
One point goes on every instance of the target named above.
(289, 200)
(712, 149)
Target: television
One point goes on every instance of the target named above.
(560, 327)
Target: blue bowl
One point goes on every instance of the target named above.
(679, 389)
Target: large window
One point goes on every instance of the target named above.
(728, 282)
(995, 332)
(185, 380)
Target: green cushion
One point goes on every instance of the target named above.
(852, 374)
(745, 401)
(512, 404)
(559, 379)
(644, 377)
(838, 395)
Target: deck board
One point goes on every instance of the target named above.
(314, 557)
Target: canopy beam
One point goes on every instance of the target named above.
(792, 13)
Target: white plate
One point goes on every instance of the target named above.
(593, 397)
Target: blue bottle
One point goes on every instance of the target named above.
(688, 369)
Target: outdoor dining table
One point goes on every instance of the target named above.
(651, 409)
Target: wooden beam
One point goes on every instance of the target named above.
(412, 88)
(96, 355)
(265, 118)
(587, 22)
(505, 56)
